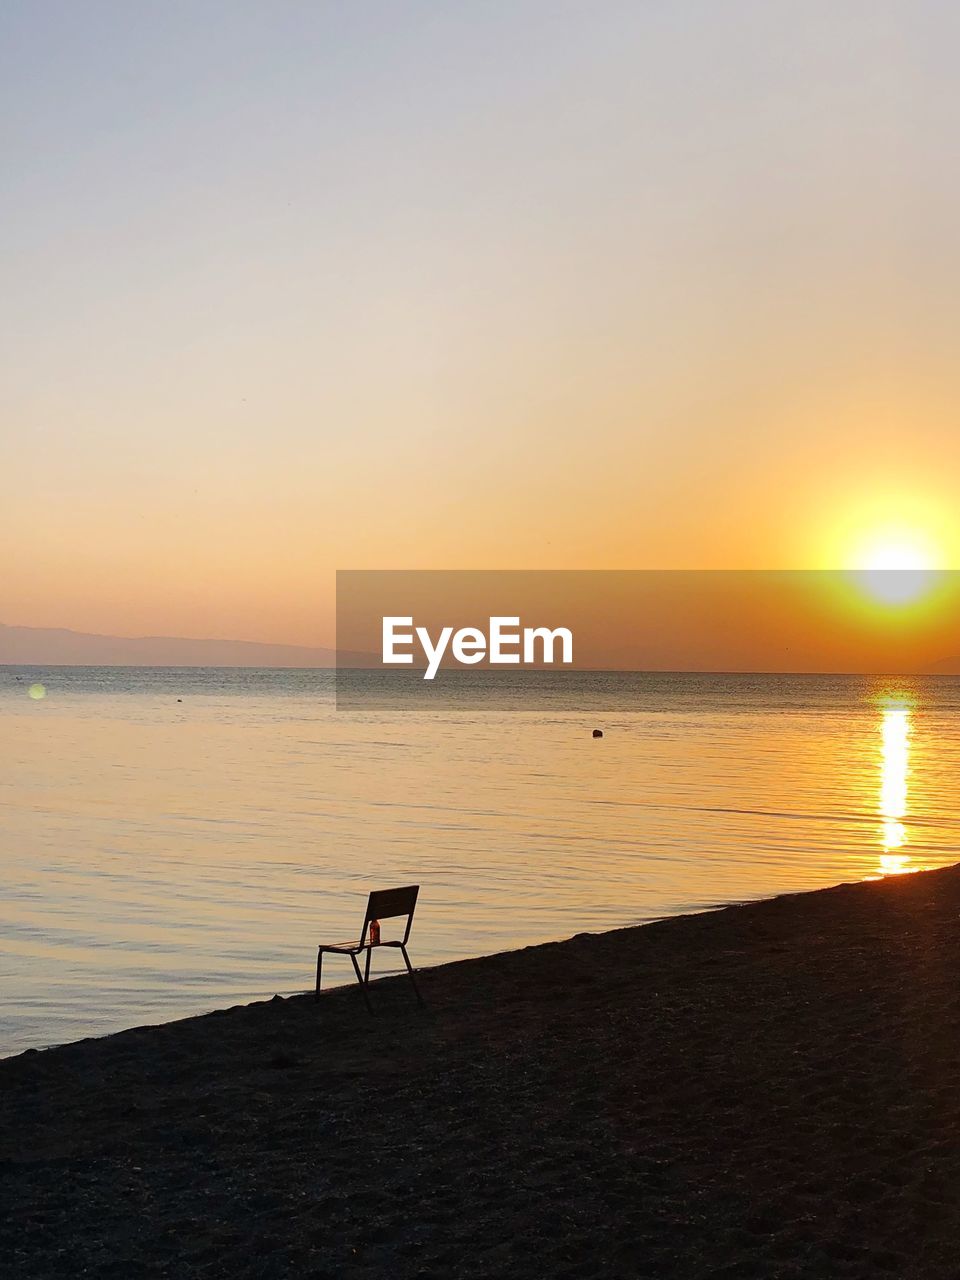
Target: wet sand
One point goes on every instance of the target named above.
(768, 1090)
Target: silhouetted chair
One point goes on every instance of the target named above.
(383, 904)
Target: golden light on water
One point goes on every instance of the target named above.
(894, 778)
(37, 691)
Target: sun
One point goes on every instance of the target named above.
(897, 567)
(899, 555)
(895, 548)
(887, 528)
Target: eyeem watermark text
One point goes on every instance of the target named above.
(504, 642)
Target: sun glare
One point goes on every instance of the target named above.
(897, 568)
(900, 556)
(895, 544)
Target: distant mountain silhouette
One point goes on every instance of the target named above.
(55, 646)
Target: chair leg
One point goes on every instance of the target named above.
(363, 985)
(406, 960)
(316, 994)
(366, 968)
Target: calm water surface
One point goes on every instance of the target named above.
(163, 857)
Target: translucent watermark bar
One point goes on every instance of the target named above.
(493, 638)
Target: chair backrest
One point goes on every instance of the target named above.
(385, 903)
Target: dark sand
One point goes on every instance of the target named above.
(770, 1090)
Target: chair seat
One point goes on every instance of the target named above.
(354, 948)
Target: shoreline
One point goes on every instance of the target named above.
(346, 985)
(760, 1089)
(336, 986)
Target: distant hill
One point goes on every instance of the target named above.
(55, 646)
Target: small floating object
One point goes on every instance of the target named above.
(598, 733)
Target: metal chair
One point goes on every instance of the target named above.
(383, 904)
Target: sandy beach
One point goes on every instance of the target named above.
(767, 1090)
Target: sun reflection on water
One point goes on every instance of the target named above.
(894, 775)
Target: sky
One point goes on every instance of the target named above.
(296, 287)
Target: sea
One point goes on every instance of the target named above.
(176, 840)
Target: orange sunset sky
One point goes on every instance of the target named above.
(300, 287)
